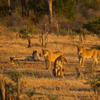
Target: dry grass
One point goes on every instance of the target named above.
(40, 81)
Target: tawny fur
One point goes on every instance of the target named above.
(50, 56)
(87, 53)
(58, 64)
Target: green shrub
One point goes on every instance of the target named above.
(15, 74)
(24, 33)
(83, 31)
(93, 25)
(29, 30)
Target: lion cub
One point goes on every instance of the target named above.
(58, 66)
(50, 56)
(86, 53)
(58, 73)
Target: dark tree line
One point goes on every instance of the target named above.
(62, 8)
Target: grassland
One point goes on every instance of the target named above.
(39, 83)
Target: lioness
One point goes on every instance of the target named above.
(35, 57)
(50, 56)
(58, 65)
(86, 53)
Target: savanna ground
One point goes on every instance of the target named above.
(41, 82)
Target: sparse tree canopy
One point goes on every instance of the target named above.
(3, 8)
(63, 8)
(39, 7)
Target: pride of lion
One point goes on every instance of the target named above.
(58, 58)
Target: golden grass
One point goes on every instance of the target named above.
(67, 88)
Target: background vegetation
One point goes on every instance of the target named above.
(68, 14)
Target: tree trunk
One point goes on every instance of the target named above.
(9, 7)
(77, 5)
(50, 11)
(23, 8)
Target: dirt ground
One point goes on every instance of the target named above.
(41, 81)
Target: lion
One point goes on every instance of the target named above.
(58, 64)
(50, 56)
(86, 53)
(35, 57)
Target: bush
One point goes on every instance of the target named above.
(29, 30)
(15, 74)
(93, 25)
(24, 33)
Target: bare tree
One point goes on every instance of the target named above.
(43, 35)
(50, 11)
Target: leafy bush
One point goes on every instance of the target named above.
(24, 33)
(83, 31)
(93, 25)
(15, 29)
(15, 74)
